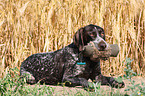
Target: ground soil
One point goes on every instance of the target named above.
(59, 90)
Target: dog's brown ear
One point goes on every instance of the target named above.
(78, 39)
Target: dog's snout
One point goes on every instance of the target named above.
(102, 45)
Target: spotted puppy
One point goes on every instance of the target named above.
(62, 65)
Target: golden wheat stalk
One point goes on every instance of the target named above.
(28, 27)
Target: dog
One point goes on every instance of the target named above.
(61, 66)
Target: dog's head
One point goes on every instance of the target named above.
(90, 33)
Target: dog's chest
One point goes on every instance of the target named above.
(82, 71)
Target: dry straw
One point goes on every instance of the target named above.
(32, 26)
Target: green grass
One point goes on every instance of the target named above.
(134, 89)
(13, 85)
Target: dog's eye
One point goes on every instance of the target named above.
(92, 33)
(102, 34)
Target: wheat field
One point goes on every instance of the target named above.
(33, 26)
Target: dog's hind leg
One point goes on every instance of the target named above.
(30, 79)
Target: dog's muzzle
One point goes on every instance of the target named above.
(91, 50)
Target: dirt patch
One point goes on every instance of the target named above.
(59, 90)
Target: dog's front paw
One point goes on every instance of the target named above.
(90, 87)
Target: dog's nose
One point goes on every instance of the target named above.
(102, 46)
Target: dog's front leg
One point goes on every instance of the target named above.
(74, 81)
(109, 81)
(98, 77)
